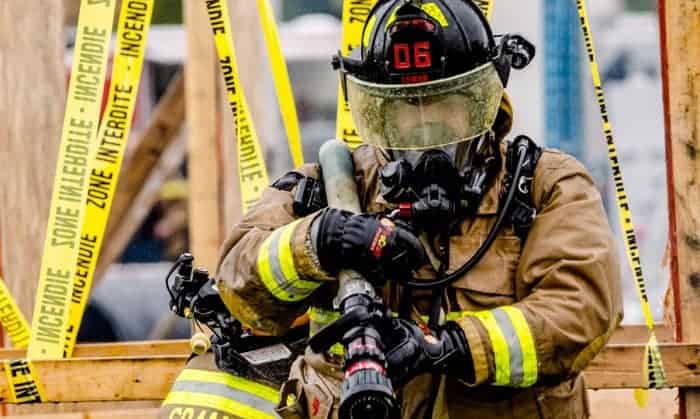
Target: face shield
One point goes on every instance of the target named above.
(427, 115)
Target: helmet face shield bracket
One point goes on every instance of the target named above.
(513, 51)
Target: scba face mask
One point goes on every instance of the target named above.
(435, 187)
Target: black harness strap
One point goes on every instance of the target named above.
(523, 211)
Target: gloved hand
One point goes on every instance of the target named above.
(412, 350)
(370, 244)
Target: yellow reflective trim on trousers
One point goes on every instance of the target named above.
(208, 401)
(280, 75)
(499, 344)
(527, 345)
(238, 383)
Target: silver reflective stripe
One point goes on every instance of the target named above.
(282, 282)
(225, 391)
(514, 348)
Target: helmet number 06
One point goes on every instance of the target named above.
(406, 57)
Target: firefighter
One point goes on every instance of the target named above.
(506, 337)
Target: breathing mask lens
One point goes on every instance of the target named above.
(426, 115)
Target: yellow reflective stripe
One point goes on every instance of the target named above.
(320, 318)
(264, 268)
(208, 401)
(287, 260)
(368, 30)
(434, 11)
(276, 267)
(323, 317)
(527, 345)
(238, 383)
(499, 344)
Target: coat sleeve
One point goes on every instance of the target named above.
(570, 269)
(268, 270)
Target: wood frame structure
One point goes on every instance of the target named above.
(679, 22)
(146, 370)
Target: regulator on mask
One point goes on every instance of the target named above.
(435, 188)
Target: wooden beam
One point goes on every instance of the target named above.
(138, 377)
(634, 334)
(145, 172)
(680, 35)
(202, 98)
(106, 379)
(620, 366)
(97, 410)
(118, 350)
(151, 413)
(640, 334)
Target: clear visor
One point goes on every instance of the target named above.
(426, 115)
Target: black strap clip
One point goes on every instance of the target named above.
(309, 197)
(523, 212)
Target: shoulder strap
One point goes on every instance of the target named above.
(523, 211)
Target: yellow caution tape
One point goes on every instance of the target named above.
(280, 75)
(132, 32)
(251, 164)
(653, 367)
(23, 382)
(12, 319)
(355, 13)
(66, 213)
(486, 7)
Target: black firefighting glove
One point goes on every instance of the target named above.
(412, 350)
(371, 244)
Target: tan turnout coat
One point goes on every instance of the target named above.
(564, 279)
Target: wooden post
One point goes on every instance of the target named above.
(32, 92)
(202, 109)
(680, 37)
